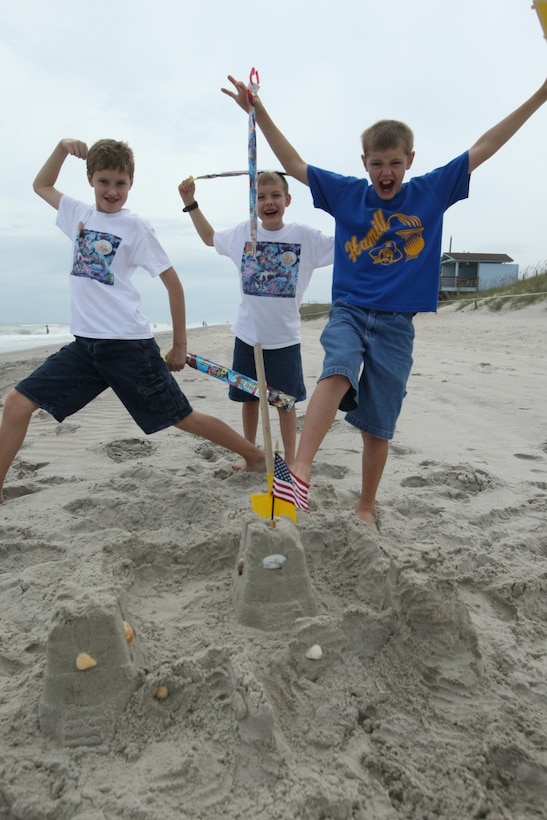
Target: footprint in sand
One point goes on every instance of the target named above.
(17, 492)
(461, 477)
(67, 428)
(22, 471)
(400, 450)
(330, 470)
(25, 469)
(125, 449)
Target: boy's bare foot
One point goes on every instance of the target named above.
(254, 464)
(366, 515)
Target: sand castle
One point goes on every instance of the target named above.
(93, 663)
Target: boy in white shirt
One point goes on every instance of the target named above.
(272, 284)
(114, 345)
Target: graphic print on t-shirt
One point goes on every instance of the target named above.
(272, 271)
(93, 255)
(407, 242)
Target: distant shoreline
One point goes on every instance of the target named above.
(42, 351)
(50, 343)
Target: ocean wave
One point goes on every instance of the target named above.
(25, 336)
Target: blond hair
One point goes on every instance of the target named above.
(111, 155)
(273, 178)
(386, 134)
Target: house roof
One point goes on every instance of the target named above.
(476, 257)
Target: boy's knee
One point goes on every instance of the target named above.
(336, 382)
(190, 423)
(18, 405)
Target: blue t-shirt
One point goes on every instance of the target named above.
(387, 253)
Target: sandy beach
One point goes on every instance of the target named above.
(427, 698)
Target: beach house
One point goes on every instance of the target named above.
(473, 272)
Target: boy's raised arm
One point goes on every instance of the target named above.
(187, 191)
(493, 139)
(287, 155)
(44, 183)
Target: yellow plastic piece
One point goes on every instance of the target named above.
(541, 8)
(268, 507)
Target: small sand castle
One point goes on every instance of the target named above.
(93, 662)
(271, 585)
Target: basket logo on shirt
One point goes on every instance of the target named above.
(93, 255)
(407, 244)
(272, 271)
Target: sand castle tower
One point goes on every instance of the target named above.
(271, 586)
(93, 660)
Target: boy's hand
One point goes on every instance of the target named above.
(46, 178)
(176, 357)
(241, 94)
(76, 148)
(187, 190)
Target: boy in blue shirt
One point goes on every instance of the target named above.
(114, 346)
(386, 269)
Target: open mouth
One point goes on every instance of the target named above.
(387, 185)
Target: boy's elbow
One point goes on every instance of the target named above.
(298, 170)
(208, 238)
(47, 193)
(291, 161)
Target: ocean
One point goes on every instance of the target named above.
(21, 337)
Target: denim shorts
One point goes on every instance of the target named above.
(373, 349)
(282, 366)
(83, 369)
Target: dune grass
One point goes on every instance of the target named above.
(521, 294)
(314, 310)
(527, 291)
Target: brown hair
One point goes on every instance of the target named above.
(111, 155)
(271, 178)
(386, 134)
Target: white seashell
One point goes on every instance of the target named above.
(314, 653)
(274, 561)
(239, 706)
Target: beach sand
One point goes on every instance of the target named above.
(429, 696)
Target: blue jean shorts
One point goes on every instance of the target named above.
(283, 369)
(373, 349)
(83, 369)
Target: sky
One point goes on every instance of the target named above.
(150, 73)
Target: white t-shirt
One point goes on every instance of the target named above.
(108, 248)
(273, 282)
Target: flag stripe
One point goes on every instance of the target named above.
(288, 487)
(301, 490)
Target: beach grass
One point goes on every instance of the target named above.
(529, 290)
(521, 294)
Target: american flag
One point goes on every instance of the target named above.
(288, 486)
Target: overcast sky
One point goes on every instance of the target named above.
(150, 73)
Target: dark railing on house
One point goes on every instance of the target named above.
(460, 272)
